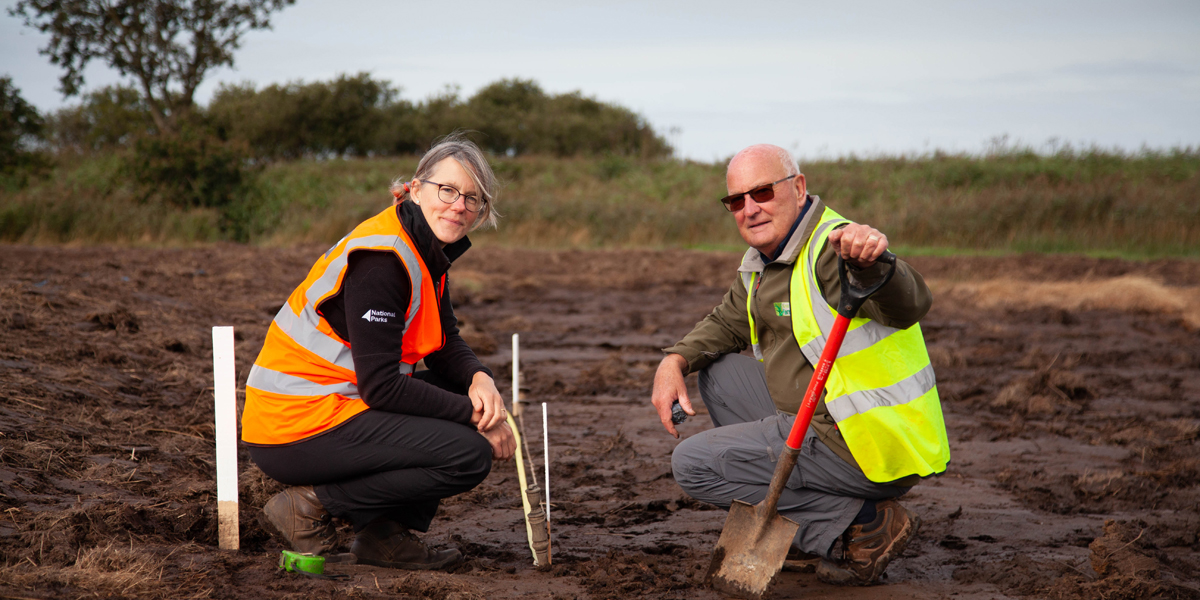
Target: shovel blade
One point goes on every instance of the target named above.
(751, 550)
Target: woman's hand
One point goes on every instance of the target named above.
(502, 441)
(487, 403)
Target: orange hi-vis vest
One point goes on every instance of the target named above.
(303, 382)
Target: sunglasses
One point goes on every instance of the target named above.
(760, 194)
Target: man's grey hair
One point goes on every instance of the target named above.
(790, 166)
(472, 160)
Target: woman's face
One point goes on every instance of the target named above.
(449, 222)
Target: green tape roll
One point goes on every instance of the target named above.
(295, 561)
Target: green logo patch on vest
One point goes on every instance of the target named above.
(783, 309)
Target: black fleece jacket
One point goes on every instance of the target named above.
(378, 282)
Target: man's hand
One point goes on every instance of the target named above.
(487, 403)
(502, 441)
(859, 245)
(669, 387)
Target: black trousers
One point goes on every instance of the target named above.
(382, 464)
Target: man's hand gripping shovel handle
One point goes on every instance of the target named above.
(852, 300)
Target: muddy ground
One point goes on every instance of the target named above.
(1071, 388)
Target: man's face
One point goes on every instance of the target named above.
(764, 226)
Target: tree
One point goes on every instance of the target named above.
(166, 46)
(506, 112)
(342, 117)
(20, 124)
(110, 117)
(516, 117)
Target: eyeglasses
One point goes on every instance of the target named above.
(760, 194)
(450, 194)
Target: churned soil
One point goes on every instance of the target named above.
(1071, 388)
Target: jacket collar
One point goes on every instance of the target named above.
(436, 258)
(752, 262)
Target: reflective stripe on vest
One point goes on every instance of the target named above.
(303, 381)
(748, 280)
(881, 390)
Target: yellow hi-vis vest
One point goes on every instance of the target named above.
(881, 390)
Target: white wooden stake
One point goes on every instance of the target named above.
(516, 373)
(546, 454)
(225, 411)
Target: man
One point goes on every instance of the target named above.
(878, 428)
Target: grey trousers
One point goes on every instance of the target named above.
(736, 459)
(384, 464)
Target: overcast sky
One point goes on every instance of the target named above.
(820, 78)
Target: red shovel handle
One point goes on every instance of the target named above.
(817, 384)
(787, 459)
(852, 299)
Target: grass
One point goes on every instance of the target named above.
(1094, 202)
(87, 202)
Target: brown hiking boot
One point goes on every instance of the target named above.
(296, 517)
(385, 543)
(867, 549)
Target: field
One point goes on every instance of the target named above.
(1071, 387)
(1013, 200)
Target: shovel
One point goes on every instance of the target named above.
(756, 539)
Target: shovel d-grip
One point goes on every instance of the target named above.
(756, 539)
(853, 296)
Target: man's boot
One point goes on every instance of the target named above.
(867, 549)
(296, 516)
(385, 543)
(799, 561)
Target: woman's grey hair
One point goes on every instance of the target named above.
(472, 159)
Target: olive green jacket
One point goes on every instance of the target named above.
(900, 304)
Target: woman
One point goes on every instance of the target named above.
(334, 407)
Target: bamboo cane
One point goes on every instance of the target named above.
(535, 519)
